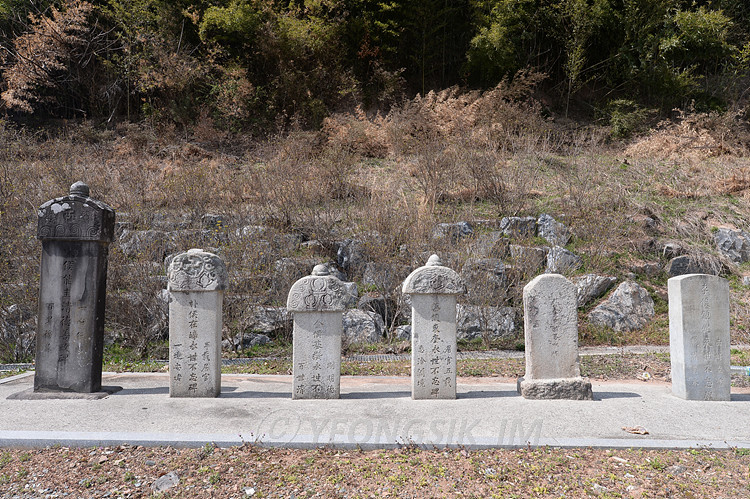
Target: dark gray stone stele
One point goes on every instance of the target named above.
(75, 231)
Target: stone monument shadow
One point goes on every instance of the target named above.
(616, 395)
(487, 394)
(740, 397)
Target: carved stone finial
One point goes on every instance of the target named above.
(321, 270)
(434, 260)
(197, 270)
(79, 189)
(433, 278)
(319, 292)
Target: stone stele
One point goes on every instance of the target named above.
(317, 303)
(196, 283)
(551, 339)
(75, 231)
(433, 290)
(699, 336)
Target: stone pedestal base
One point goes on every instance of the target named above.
(30, 394)
(562, 388)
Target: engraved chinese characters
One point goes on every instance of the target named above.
(196, 284)
(317, 303)
(699, 337)
(433, 289)
(551, 340)
(75, 231)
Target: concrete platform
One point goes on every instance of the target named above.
(373, 412)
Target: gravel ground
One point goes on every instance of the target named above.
(408, 472)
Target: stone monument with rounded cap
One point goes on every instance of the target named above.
(196, 283)
(317, 303)
(433, 289)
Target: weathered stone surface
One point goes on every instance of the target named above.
(402, 333)
(699, 337)
(268, 320)
(556, 233)
(518, 226)
(245, 340)
(197, 270)
(318, 292)
(433, 278)
(485, 279)
(528, 260)
(351, 254)
(76, 217)
(561, 261)
(566, 388)
(75, 231)
(591, 286)
(474, 322)
(317, 303)
(733, 244)
(433, 289)
(433, 350)
(694, 264)
(645, 268)
(629, 308)
(351, 294)
(196, 283)
(165, 482)
(490, 245)
(452, 231)
(671, 249)
(362, 327)
(551, 340)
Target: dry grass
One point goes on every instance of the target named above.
(387, 180)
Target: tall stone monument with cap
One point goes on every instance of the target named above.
(75, 231)
(317, 305)
(434, 290)
(699, 337)
(196, 283)
(550, 321)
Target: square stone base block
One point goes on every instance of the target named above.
(562, 388)
(30, 394)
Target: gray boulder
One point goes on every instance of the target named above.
(556, 233)
(286, 272)
(733, 244)
(528, 260)
(694, 264)
(362, 327)
(245, 340)
(490, 245)
(402, 333)
(350, 254)
(18, 326)
(384, 276)
(591, 286)
(629, 308)
(268, 320)
(561, 261)
(351, 294)
(452, 231)
(496, 322)
(518, 226)
(485, 280)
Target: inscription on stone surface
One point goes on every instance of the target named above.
(699, 337)
(317, 305)
(72, 292)
(195, 321)
(433, 289)
(551, 340)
